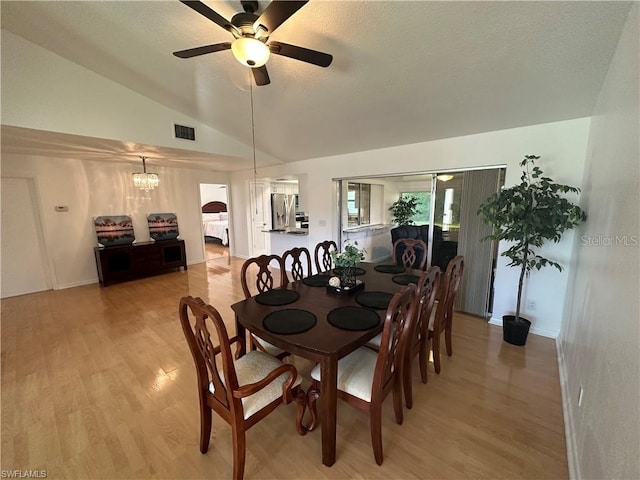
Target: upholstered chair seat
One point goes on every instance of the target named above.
(243, 388)
(269, 348)
(252, 367)
(377, 340)
(432, 318)
(365, 377)
(355, 373)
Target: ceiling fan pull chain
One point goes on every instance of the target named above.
(253, 142)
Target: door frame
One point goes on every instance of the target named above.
(201, 202)
(36, 202)
(266, 212)
(433, 173)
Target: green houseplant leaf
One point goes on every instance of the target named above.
(349, 257)
(403, 209)
(529, 214)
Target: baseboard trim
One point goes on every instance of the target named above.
(76, 284)
(536, 331)
(569, 432)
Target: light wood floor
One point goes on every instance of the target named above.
(99, 383)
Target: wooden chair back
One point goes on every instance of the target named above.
(395, 335)
(427, 288)
(211, 358)
(218, 386)
(259, 274)
(322, 255)
(386, 376)
(443, 319)
(300, 262)
(413, 255)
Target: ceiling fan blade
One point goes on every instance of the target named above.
(300, 53)
(215, 17)
(277, 13)
(194, 52)
(261, 76)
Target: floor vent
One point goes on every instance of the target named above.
(186, 133)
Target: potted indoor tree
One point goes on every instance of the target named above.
(403, 209)
(529, 214)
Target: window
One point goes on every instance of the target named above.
(421, 216)
(358, 204)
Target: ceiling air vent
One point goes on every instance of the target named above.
(186, 133)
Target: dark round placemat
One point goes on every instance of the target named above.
(377, 300)
(356, 271)
(353, 318)
(406, 279)
(277, 297)
(289, 321)
(389, 268)
(317, 280)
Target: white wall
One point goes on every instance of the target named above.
(94, 188)
(562, 146)
(212, 193)
(600, 340)
(44, 91)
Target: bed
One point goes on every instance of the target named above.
(215, 222)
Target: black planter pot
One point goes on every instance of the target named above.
(514, 332)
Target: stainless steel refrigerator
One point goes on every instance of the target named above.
(282, 209)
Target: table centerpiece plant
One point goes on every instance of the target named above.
(347, 262)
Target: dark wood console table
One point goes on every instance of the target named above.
(127, 262)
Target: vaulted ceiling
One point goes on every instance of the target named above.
(403, 72)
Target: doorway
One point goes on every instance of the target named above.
(216, 231)
(25, 270)
(260, 212)
(448, 202)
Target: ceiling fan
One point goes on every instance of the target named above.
(251, 33)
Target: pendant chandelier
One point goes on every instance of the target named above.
(145, 181)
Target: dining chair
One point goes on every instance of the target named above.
(442, 319)
(258, 275)
(365, 377)
(300, 262)
(322, 255)
(410, 253)
(418, 336)
(241, 390)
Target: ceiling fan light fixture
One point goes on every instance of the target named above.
(445, 178)
(250, 52)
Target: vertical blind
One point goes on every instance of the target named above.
(473, 294)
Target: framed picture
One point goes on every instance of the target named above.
(163, 226)
(114, 230)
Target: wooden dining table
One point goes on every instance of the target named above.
(323, 343)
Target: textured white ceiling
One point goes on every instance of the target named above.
(403, 72)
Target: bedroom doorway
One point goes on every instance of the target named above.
(215, 223)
